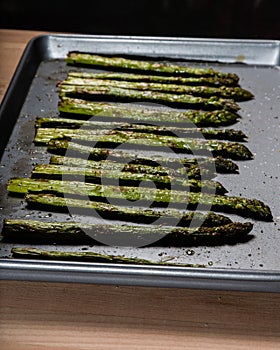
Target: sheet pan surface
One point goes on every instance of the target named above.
(254, 265)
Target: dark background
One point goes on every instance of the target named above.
(256, 19)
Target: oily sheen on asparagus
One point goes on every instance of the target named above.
(76, 57)
(78, 233)
(251, 208)
(194, 166)
(35, 253)
(235, 93)
(233, 150)
(130, 95)
(97, 126)
(136, 113)
(202, 80)
(148, 166)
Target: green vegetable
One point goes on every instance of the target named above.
(223, 134)
(63, 146)
(252, 208)
(76, 57)
(133, 214)
(80, 188)
(109, 165)
(117, 111)
(124, 95)
(236, 93)
(51, 171)
(208, 81)
(33, 253)
(78, 233)
(231, 150)
(160, 165)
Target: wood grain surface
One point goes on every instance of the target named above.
(70, 316)
(60, 316)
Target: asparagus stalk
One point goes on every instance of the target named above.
(222, 134)
(34, 253)
(252, 208)
(113, 166)
(79, 188)
(196, 167)
(133, 214)
(236, 93)
(222, 165)
(77, 233)
(208, 81)
(139, 167)
(138, 65)
(84, 108)
(121, 94)
(63, 146)
(231, 150)
(45, 171)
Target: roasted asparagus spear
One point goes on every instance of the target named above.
(168, 216)
(236, 93)
(231, 150)
(78, 233)
(222, 134)
(33, 253)
(108, 165)
(84, 189)
(121, 94)
(196, 167)
(76, 57)
(63, 146)
(117, 111)
(159, 166)
(52, 171)
(252, 208)
(208, 81)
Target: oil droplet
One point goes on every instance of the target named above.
(190, 252)
(210, 263)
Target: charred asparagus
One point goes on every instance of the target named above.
(108, 165)
(45, 171)
(33, 253)
(160, 165)
(133, 214)
(231, 150)
(138, 65)
(80, 188)
(79, 233)
(63, 146)
(121, 94)
(208, 81)
(222, 134)
(235, 93)
(193, 165)
(102, 110)
(252, 208)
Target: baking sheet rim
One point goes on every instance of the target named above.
(238, 279)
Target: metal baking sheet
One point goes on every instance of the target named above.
(250, 266)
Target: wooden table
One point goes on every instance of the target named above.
(36, 315)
